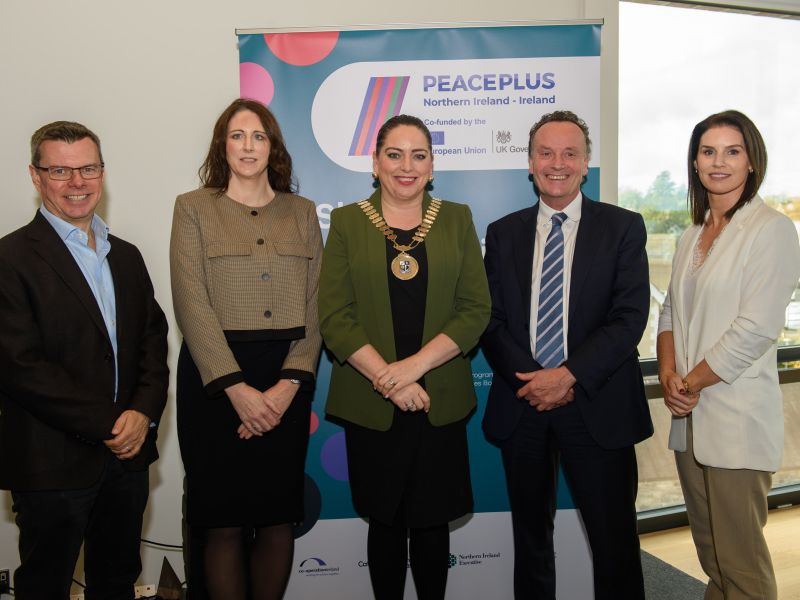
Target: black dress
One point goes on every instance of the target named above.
(232, 482)
(414, 472)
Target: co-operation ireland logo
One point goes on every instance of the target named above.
(383, 100)
(317, 561)
(452, 561)
(314, 566)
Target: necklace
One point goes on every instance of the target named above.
(404, 266)
(698, 260)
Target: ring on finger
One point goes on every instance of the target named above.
(410, 405)
(392, 383)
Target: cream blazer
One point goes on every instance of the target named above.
(738, 312)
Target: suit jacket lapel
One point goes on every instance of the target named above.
(121, 295)
(730, 236)
(379, 279)
(523, 244)
(719, 261)
(680, 268)
(52, 249)
(582, 257)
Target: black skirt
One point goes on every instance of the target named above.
(232, 482)
(414, 473)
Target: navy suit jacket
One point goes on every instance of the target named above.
(609, 301)
(57, 372)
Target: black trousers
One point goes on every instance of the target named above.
(603, 484)
(106, 517)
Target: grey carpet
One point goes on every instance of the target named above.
(662, 581)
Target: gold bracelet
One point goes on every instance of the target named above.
(686, 389)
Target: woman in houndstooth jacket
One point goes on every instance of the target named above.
(245, 258)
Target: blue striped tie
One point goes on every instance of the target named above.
(550, 321)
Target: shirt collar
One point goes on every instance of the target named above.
(65, 229)
(572, 210)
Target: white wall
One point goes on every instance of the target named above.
(150, 78)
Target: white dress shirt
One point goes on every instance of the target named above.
(570, 231)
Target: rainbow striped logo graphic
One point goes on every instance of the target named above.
(383, 100)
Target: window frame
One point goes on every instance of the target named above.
(675, 516)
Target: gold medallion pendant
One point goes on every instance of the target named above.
(405, 266)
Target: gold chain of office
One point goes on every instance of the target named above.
(404, 266)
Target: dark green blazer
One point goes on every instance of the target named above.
(354, 310)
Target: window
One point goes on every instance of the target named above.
(677, 66)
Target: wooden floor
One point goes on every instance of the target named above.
(675, 547)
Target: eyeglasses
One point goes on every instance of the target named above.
(65, 173)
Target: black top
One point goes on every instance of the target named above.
(407, 297)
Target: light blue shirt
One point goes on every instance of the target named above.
(95, 269)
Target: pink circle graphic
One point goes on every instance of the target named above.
(302, 49)
(314, 422)
(255, 83)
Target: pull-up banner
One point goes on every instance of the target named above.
(478, 89)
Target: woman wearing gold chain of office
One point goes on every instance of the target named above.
(403, 299)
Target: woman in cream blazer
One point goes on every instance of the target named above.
(732, 275)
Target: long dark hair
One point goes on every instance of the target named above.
(215, 172)
(697, 196)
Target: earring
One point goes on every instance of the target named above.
(751, 169)
(430, 179)
(374, 175)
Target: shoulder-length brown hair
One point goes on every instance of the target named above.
(697, 196)
(215, 172)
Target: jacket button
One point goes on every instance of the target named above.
(260, 241)
(264, 276)
(268, 313)
(254, 213)
(108, 357)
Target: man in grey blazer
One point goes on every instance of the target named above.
(83, 379)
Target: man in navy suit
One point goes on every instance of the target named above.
(83, 379)
(570, 298)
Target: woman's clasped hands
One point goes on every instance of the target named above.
(397, 382)
(678, 399)
(260, 412)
